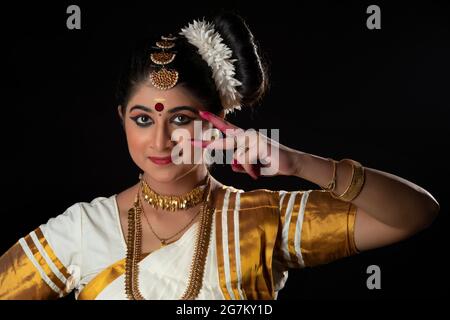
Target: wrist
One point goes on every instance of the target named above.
(315, 169)
(300, 159)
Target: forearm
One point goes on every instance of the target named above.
(389, 199)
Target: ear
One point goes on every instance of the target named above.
(119, 111)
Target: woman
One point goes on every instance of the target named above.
(178, 232)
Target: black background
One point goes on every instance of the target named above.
(338, 90)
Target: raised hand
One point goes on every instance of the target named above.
(254, 153)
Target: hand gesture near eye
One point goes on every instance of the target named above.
(253, 152)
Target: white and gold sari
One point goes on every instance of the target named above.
(256, 236)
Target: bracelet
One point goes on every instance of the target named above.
(332, 184)
(356, 183)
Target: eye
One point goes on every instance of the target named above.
(142, 120)
(181, 119)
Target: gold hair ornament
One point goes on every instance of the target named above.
(164, 78)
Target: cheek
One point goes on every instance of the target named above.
(180, 133)
(137, 138)
(190, 129)
(197, 130)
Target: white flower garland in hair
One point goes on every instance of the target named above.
(217, 55)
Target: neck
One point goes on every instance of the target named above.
(180, 185)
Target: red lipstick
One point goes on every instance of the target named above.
(161, 160)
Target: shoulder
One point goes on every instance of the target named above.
(259, 197)
(98, 210)
(98, 204)
(229, 197)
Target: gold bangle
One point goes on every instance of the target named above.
(356, 184)
(332, 184)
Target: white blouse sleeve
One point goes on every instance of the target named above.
(46, 263)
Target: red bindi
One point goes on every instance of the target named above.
(159, 107)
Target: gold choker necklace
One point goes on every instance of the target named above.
(172, 203)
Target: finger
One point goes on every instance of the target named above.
(200, 143)
(238, 169)
(236, 166)
(226, 143)
(218, 143)
(250, 168)
(217, 122)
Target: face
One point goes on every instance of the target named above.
(150, 118)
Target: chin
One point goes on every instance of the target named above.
(166, 174)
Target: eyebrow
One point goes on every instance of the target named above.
(173, 110)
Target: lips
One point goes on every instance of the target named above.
(161, 160)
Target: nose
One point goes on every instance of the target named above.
(161, 138)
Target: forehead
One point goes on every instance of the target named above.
(178, 96)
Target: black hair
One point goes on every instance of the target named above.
(195, 74)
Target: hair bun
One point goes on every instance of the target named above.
(250, 68)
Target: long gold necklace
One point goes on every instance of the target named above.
(134, 250)
(171, 203)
